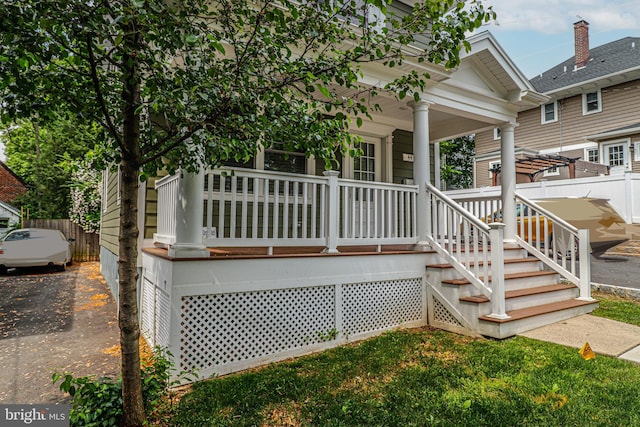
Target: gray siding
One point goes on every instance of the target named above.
(403, 144)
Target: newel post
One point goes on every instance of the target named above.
(498, 306)
(333, 210)
(585, 265)
(189, 213)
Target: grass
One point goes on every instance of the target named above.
(427, 377)
(618, 308)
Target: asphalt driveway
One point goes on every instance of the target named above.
(50, 321)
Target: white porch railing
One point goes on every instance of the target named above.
(473, 248)
(246, 207)
(168, 201)
(558, 244)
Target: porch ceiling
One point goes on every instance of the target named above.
(444, 123)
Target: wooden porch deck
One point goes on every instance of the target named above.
(290, 252)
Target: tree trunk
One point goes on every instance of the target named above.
(134, 414)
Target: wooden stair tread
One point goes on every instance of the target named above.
(508, 276)
(506, 261)
(521, 292)
(539, 310)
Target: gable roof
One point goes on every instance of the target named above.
(606, 60)
(7, 207)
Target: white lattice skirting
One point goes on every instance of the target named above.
(217, 329)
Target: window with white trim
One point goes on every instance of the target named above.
(497, 133)
(355, 12)
(279, 160)
(492, 166)
(591, 102)
(552, 171)
(592, 155)
(636, 151)
(549, 112)
(364, 165)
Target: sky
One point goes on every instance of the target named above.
(538, 34)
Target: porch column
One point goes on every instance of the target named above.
(189, 214)
(421, 166)
(508, 181)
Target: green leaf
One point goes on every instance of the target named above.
(323, 90)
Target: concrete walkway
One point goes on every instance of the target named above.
(605, 336)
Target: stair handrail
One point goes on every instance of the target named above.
(458, 208)
(463, 240)
(559, 256)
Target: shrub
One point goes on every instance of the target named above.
(98, 402)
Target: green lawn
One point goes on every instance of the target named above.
(428, 377)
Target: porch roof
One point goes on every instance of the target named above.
(613, 133)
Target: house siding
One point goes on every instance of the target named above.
(111, 215)
(619, 109)
(402, 169)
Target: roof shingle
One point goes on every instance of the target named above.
(610, 58)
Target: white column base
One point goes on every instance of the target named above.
(186, 250)
(499, 316)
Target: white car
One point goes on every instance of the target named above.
(32, 247)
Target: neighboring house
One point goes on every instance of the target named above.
(280, 258)
(11, 186)
(592, 116)
(9, 218)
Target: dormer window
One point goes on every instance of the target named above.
(591, 102)
(550, 112)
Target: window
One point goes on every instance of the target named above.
(364, 166)
(494, 166)
(18, 235)
(615, 155)
(636, 151)
(278, 160)
(358, 12)
(4, 223)
(591, 102)
(591, 155)
(552, 171)
(550, 112)
(497, 133)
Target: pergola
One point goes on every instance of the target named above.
(532, 166)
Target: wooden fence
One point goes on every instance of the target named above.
(85, 247)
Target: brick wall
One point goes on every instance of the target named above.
(10, 185)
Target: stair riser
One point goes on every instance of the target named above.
(452, 273)
(531, 282)
(508, 329)
(527, 301)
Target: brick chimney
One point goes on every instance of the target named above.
(581, 33)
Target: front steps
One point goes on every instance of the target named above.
(534, 297)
